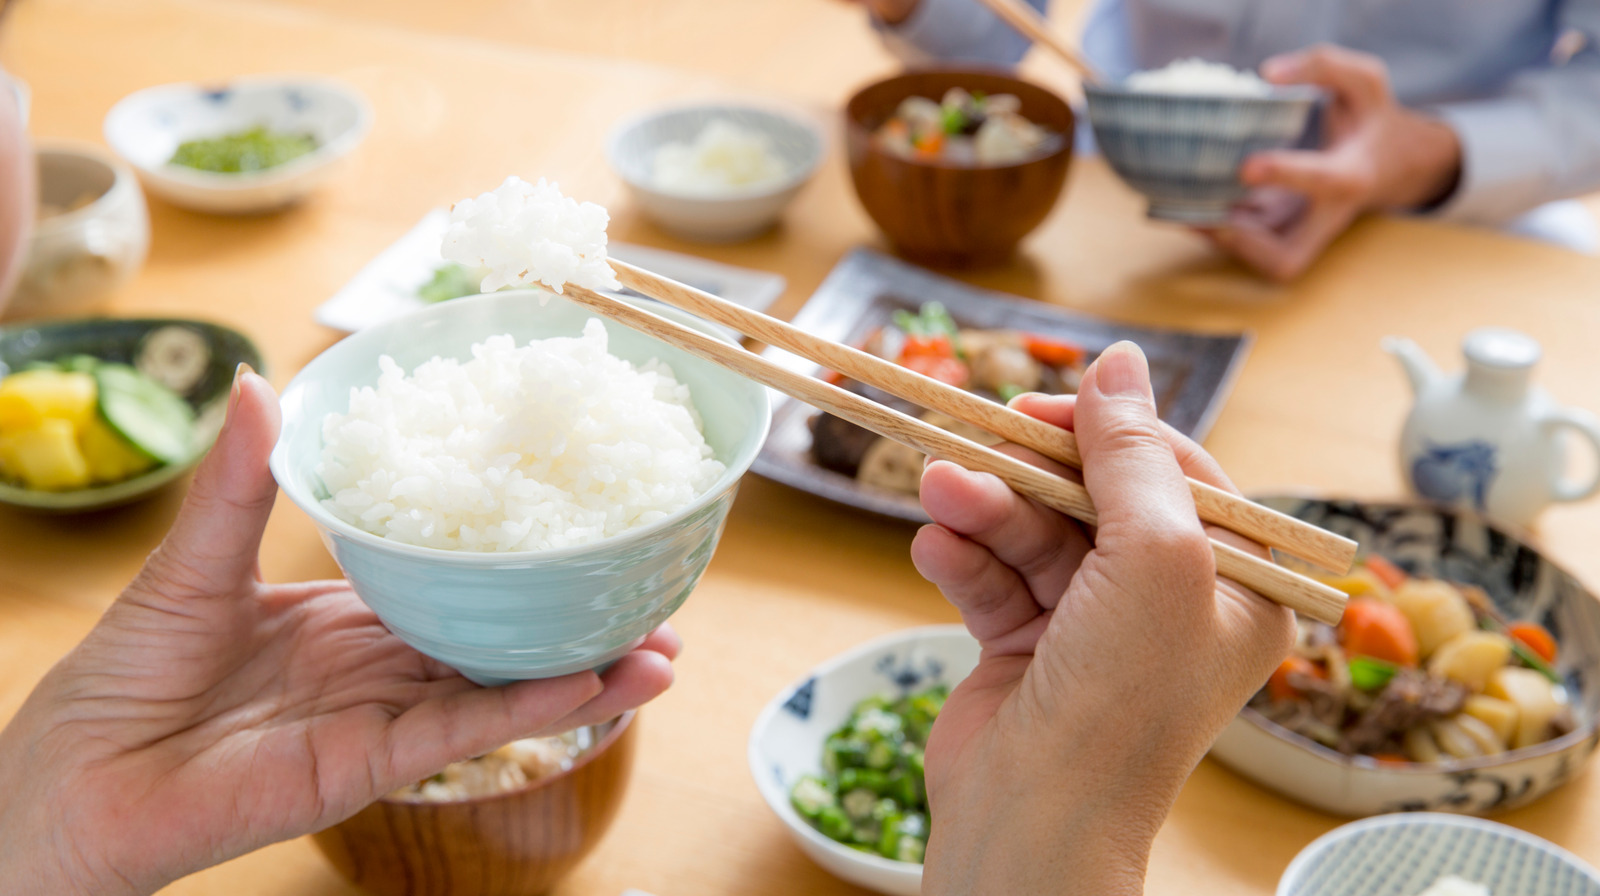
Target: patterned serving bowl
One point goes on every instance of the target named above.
(1402, 855)
(1524, 584)
(146, 127)
(1183, 151)
(786, 740)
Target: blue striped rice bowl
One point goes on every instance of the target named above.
(1183, 152)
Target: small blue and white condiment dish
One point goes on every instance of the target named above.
(786, 741)
(1183, 151)
(1403, 855)
(146, 128)
(713, 217)
(501, 617)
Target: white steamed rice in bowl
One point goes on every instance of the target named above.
(1199, 77)
(552, 444)
(517, 490)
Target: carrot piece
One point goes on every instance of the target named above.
(1373, 628)
(1390, 759)
(938, 346)
(1279, 685)
(1390, 575)
(946, 370)
(929, 144)
(1055, 352)
(1536, 638)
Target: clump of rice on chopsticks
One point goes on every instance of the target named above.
(549, 445)
(526, 234)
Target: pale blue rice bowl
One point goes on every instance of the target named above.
(1183, 151)
(501, 617)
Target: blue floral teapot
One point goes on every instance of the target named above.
(1486, 439)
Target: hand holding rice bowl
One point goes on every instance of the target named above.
(1179, 134)
(476, 593)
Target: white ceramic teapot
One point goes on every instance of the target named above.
(1485, 439)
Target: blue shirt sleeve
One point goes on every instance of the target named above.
(956, 31)
(1539, 139)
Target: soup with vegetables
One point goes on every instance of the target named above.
(965, 129)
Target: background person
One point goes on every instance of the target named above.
(1481, 113)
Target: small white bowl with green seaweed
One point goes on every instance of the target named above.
(248, 146)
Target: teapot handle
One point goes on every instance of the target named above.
(1584, 425)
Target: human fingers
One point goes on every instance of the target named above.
(1043, 546)
(991, 597)
(1055, 410)
(1149, 537)
(212, 547)
(472, 721)
(632, 681)
(1338, 175)
(664, 640)
(1358, 80)
(1286, 255)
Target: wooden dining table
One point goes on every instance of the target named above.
(470, 91)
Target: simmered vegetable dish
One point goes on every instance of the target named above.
(997, 364)
(1419, 670)
(871, 796)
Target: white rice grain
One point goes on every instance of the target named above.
(550, 445)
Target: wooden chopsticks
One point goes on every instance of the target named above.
(1027, 20)
(1269, 527)
(1302, 594)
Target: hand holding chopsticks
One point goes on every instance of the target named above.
(1305, 595)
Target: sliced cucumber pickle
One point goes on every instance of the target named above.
(149, 415)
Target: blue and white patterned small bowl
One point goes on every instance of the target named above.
(1402, 855)
(499, 617)
(1525, 585)
(736, 215)
(145, 129)
(786, 740)
(1183, 151)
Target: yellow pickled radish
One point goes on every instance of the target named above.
(33, 395)
(44, 456)
(110, 457)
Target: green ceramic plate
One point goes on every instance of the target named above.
(197, 359)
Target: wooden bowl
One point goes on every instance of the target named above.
(949, 215)
(510, 844)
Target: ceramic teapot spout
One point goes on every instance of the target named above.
(1420, 369)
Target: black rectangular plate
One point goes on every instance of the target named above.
(1190, 372)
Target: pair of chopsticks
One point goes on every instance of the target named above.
(1305, 595)
(1027, 20)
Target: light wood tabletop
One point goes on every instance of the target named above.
(470, 91)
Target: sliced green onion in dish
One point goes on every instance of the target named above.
(1369, 674)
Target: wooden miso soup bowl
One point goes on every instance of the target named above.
(510, 844)
(945, 214)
